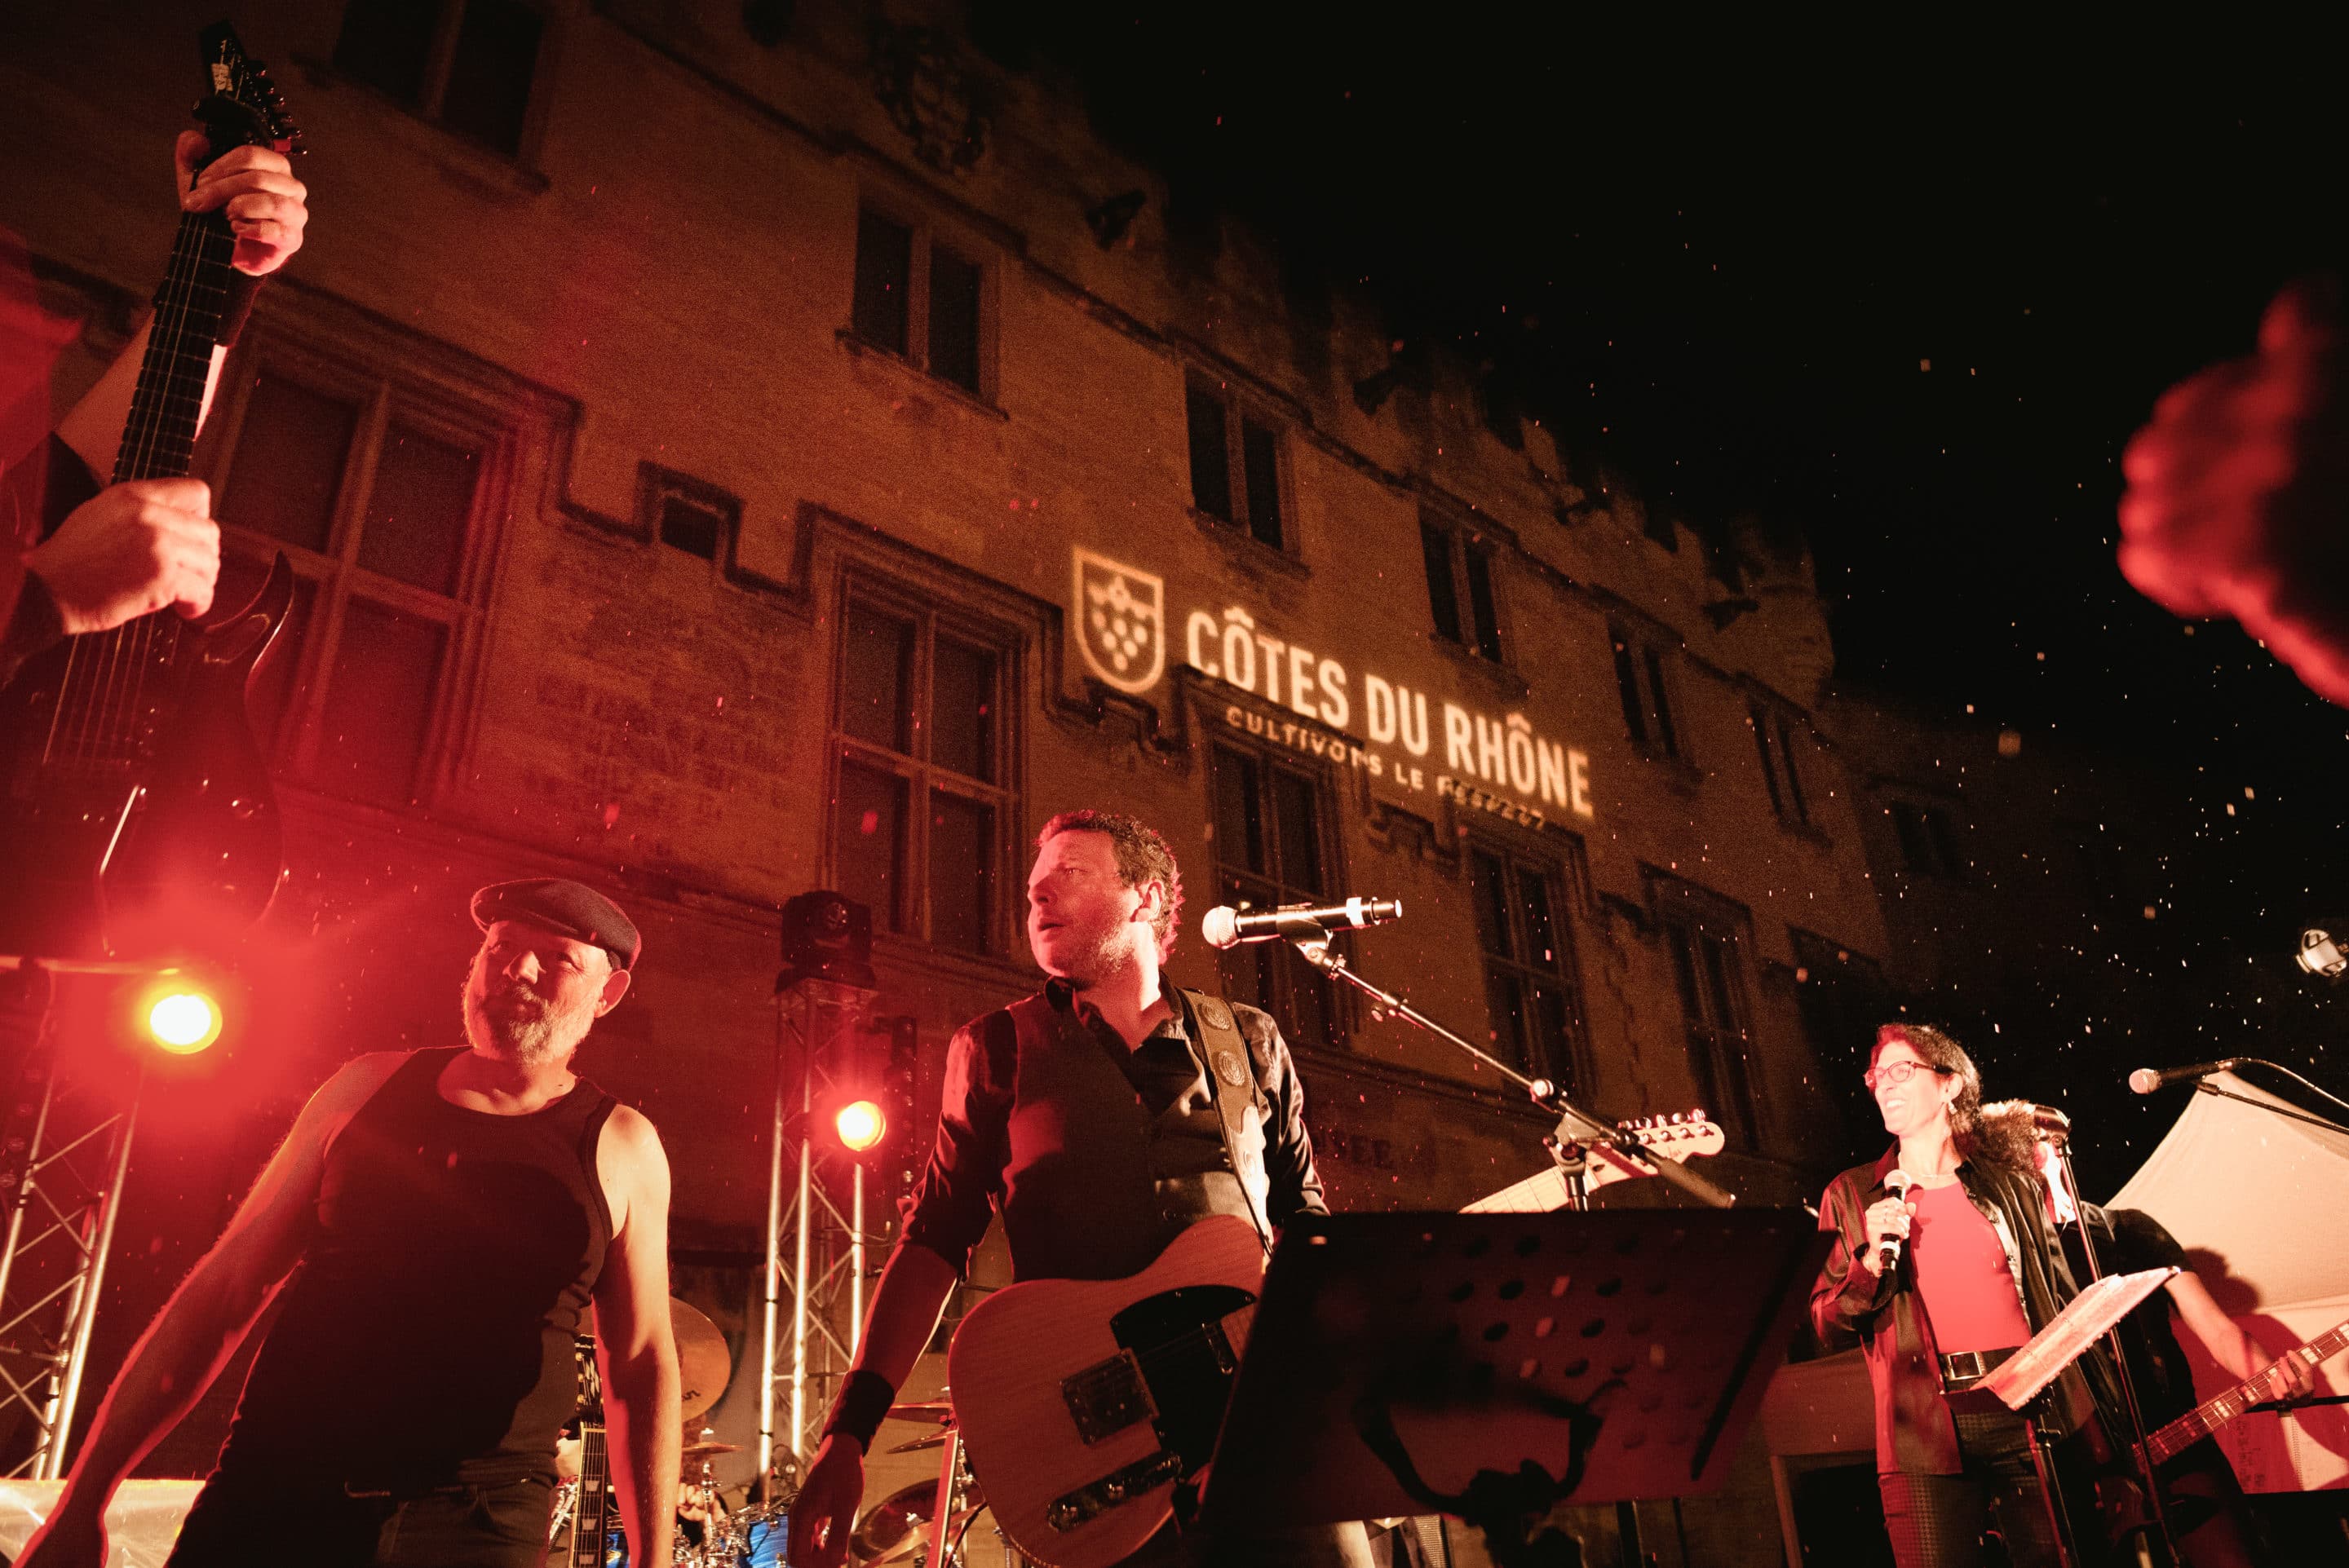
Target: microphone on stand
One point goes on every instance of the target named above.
(1224, 927)
(1887, 1251)
(2145, 1080)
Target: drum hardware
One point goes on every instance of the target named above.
(933, 1440)
(940, 1410)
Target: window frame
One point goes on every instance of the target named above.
(1487, 642)
(1934, 830)
(439, 63)
(1721, 1053)
(1328, 847)
(868, 588)
(1574, 1074)
(657, 485)
(925, 234)
(1644, 686)
(435, 409)
(1781, 768)
(1239, 412)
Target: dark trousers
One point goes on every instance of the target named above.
(1939, 1520)
(260, 1521)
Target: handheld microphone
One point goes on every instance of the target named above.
(2145, 1080)
(1887, 1251)
(1224, 927)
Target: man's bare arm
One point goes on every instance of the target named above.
(905, 1312)
(2230, 1344)
(214, 1309)
(635, 1342)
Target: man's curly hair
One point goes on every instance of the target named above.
(1142, 855)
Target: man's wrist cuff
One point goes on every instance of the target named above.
(863, 1404)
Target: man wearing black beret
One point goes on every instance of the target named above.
(454, 1213)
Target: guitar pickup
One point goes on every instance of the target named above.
(1107, 1397)
(1087, 1503)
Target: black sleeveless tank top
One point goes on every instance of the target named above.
(425, 1338)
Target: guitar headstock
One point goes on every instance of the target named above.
(1678, 1135)
(245, 108)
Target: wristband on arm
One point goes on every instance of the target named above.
(864, 1402)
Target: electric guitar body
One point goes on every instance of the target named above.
(137, 820)
(1081, 1403)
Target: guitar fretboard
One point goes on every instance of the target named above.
(114, 680)
(2209, 1416)
(593, 1518)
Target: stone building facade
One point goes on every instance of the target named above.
(731, 451)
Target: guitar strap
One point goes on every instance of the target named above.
(1223, 1052)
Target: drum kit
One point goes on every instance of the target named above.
(894, 1531)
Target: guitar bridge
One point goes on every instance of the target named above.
(1087, 1503)
(1107, 1397)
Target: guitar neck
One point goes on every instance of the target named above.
(592, 1519)
(158, 440)
(2211, 1414)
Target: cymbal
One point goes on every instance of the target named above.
(936, 1439)
(702, 1363)
(938, 1410)
(705, 1448)
(892, 1521)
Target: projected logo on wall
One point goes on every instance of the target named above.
(1122, 622)
(1483, 761)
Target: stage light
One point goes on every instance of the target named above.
(860, 1125)
(183, 1022)
(2320, 952)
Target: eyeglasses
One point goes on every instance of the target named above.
(1899, 1072)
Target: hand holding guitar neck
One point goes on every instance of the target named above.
(254, 187)
(128, 551)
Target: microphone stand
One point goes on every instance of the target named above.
(2140, 1460)
(1574, 1124)
(2204, 1086)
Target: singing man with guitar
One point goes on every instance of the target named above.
(1101, 1118)
(105, 556)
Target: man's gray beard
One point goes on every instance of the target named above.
(545, 1040)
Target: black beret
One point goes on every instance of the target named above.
(566, 908)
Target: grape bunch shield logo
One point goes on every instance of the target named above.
(1121, 622)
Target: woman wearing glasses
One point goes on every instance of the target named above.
(1978, 1271)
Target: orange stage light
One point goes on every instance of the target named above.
(860, 1125)
(183, 1022)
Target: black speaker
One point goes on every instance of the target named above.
(827, 937)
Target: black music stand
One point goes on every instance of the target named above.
(1493, 1366)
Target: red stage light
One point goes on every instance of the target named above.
(860, 1125)
(184, 1021)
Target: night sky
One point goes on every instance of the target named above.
(1903, 298)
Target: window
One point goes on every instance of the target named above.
(1460, 589)
(1774, 741)
(1928, 847)
(919, 298)
(686, 515)
(1270, 852)
(1235, 463)
(921, 805)
(1530, 994)
(468, 65)
(1842, 997)
(375, 493)
(1647, 700)
(1701, 938)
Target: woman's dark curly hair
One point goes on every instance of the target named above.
(1974, 1141)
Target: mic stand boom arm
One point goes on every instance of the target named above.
(1574, 1125)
